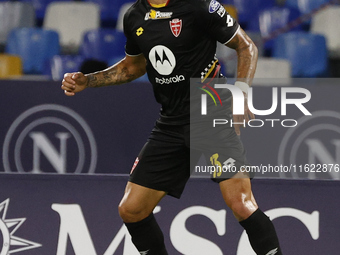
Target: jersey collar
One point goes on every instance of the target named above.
(158, 5)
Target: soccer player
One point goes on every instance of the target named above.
(173, 41)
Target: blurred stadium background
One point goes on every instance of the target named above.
(42, 39)
(65, 161)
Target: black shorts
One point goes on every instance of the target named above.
(166, 160)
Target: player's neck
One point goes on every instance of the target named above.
(158, 2)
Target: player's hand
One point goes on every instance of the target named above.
(73, 83)
(248, 115)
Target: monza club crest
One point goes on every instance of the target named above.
(176, 27)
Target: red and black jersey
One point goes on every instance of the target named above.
(179, 43)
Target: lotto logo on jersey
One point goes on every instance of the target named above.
(214, 6)
(176, 27)
(153, 15)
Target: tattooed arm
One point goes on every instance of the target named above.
(246, 56)
(126, 70)
(246, 66)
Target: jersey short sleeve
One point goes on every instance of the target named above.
(131, 47)
(213, 17)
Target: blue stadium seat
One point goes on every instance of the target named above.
(40, 6)
(61, 64)
(122, 11)
(103, 44)
(14, 15)
(247, 10)
(305, 6)
(10, 66)
(307, 53)
(35, 46)
(109, 10)
(71, 20)
(271, 20)
(326, 22)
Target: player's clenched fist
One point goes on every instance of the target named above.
(73, 83)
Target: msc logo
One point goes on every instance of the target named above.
(162, 59)
(49, 139)
(316, 140)
(8, 242)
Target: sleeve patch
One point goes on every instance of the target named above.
(229, 21)
(221, 11)
(214, 6)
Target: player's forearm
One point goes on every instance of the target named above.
(247, 55)
(117, 74)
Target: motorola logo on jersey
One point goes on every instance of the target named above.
(175, 79)
(162, 59)
(49, 139)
